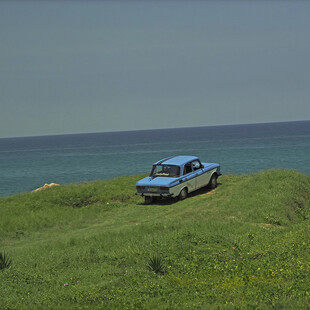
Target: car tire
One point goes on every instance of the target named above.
(148, 200)
(183, 193)
(213, 181)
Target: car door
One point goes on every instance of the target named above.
(189, 177)
(202, 178)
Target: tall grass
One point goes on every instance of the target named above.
(244, 245)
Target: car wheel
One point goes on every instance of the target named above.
(148, 200)
(213, 181)
(183, 193)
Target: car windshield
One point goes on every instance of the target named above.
(165, 171)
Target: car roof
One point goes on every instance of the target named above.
(176, 160)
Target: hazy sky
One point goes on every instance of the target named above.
(92, 66)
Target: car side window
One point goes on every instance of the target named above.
(196, 165)
(188, 168)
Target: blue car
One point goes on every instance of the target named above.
(176, 177)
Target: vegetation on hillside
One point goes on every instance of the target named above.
(244, 245)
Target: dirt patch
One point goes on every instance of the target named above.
(209, 193)
(267, 226)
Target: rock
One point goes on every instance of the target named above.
(45, 186)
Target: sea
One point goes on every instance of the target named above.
(29, 162)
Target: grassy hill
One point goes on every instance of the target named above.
(244, 245)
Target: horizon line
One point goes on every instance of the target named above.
(151, 129)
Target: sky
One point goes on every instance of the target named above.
(96, 66)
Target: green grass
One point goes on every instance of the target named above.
(244, 245)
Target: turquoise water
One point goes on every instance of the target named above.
(28, 163)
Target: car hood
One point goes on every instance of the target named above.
(157, 181)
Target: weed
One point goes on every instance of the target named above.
(5, 262)
(156, 265)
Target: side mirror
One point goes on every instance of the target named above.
(202, 166)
